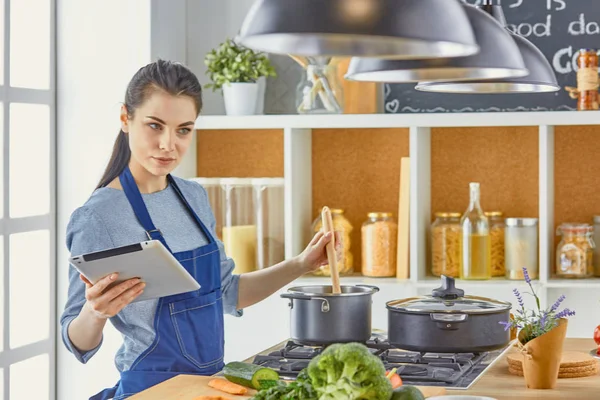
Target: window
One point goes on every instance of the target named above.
(27, 200)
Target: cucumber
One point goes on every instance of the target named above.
(249, 375)
(407, 392)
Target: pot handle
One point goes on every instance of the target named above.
(324, 305)
(299, 296)
(454, 318)
(448, 322)
(375, 288)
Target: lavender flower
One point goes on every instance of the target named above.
(565, 313)
(543, 320)
(557, 304)
(526, 276)
(536, 322)
(519, 298)
(507, 325)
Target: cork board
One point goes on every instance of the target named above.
(357, 170)
(504, 160)
(576, 178)
(240, 153)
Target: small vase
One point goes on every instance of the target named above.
(541, 357)
(241, 98)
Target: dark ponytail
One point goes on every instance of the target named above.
(170, 77)
(118, 160)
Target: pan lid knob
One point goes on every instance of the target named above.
(447, 291)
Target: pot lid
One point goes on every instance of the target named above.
(449, 299)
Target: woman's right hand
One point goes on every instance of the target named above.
(104, 305)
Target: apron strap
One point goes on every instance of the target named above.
(205, 230)
(139, 208)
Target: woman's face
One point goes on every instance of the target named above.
(160, 131)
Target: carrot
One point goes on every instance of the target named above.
(394, 378)
(227, 387)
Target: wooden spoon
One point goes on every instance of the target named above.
(328, 227)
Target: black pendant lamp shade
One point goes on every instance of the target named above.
(540, 79)
(499, 57)
(399, 29)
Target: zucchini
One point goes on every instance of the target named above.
(249, 375)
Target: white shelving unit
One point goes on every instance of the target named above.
(583, 295)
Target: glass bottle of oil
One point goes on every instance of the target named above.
(476, 252)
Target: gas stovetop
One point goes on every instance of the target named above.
(454, 371)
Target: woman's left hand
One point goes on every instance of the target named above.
(315, 254)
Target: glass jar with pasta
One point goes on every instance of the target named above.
(341, 225)
(445, 244)
(574, 253)
(379, 238)
(497, 226)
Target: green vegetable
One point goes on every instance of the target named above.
(300, 389)
(249, 375)
(349, 371)
(340, 372)
(407, 392)
(265, 384)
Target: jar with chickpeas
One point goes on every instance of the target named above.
(445, 244)
(497, 226)
(379, 238)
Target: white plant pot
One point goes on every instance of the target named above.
(241, 98)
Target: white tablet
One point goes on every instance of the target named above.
(150, 261)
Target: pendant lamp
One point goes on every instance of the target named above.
(398, 29)
(499, 57)
(540, 79)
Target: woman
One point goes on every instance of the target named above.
(137, 199)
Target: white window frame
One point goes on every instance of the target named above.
(10, 226)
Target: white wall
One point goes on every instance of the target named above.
(100, 46)
(209, 22)
(168, 33)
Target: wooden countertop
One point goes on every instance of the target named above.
(498, 383)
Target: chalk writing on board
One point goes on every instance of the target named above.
(559, 28)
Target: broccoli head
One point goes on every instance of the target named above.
(350, 372)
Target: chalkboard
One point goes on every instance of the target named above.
(559, 28)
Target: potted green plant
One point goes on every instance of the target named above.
(540, 338)
(236, 70)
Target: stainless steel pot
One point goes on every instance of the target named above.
(448, 322)
(318, 316)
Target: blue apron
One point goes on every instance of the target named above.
(189, 326)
